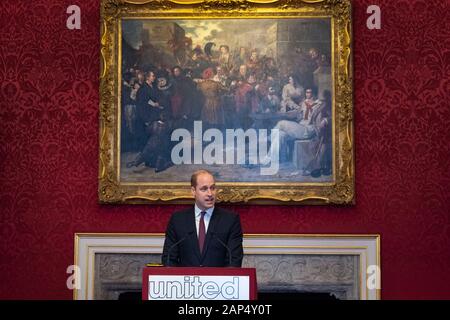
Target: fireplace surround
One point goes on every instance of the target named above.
(336, 266)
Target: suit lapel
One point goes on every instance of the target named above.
(211, 229)
(194, 239)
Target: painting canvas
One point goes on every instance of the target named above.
(226, 74)
(251, 98)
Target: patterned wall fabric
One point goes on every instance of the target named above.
(49, 149)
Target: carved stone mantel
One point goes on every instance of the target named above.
(112, 263)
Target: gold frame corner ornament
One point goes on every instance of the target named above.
(342, 189)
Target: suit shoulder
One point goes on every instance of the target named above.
(227, 213)
(181, 214)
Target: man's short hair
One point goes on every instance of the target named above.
(196, 174)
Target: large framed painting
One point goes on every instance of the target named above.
(258, 92)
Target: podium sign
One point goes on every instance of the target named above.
(168, 283)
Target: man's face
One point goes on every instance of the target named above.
(176, 72)
(151, 77)
(243, 70)
(313, 53)
(162, 82)
(205, 191)
(308, 94)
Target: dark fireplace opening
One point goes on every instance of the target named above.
(262, 295)
(280, 276)
(294, 295)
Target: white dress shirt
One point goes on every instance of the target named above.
(207, 217)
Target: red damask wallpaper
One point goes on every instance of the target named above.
(49, 149)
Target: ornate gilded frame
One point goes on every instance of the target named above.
(340, 191)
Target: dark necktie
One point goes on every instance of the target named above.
(201, 231)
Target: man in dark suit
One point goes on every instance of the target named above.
(203, 235)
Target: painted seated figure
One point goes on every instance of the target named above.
(312, 125)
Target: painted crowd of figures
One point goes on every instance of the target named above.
(224, 91)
